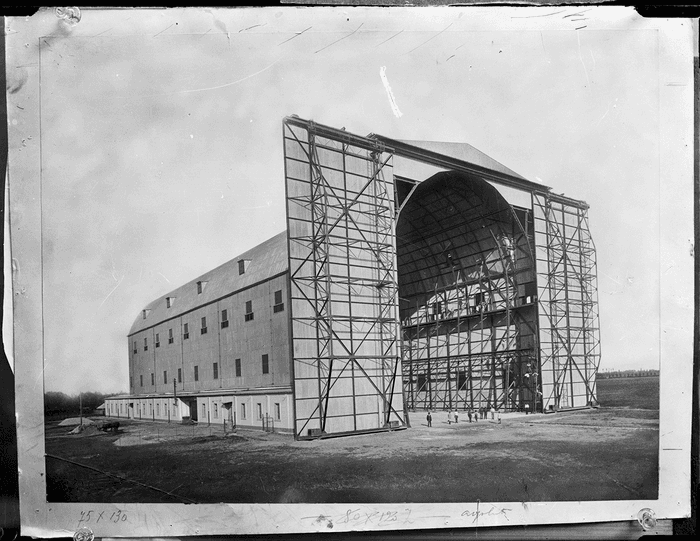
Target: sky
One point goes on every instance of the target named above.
(161, 149)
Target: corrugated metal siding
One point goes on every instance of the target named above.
(266, 260)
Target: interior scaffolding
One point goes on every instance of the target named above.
(467, 298)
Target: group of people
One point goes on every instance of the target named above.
(475, 414)
(482, 413)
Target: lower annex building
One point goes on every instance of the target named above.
(412, 276)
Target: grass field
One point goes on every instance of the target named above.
(604, 454)
(642, 392)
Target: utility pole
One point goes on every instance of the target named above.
(81, 408)
(174, 392)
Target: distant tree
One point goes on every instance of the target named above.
(59, 403)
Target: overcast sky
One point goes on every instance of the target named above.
(162, 156)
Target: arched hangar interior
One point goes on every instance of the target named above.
(467, 293)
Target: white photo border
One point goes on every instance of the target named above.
(42, 519)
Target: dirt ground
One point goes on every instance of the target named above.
(603, 454)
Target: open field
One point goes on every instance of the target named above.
(640, 392)
(608, 453)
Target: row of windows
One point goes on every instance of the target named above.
(277, 409)
(201, 285)
(259, 411)
(121, 408)
(215, 371)
(248, 316)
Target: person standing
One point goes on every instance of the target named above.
(493, 413)
(430, 419)
(469, 414)
(456, 417)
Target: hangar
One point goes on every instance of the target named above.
(412, 275)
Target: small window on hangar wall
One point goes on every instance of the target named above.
(249, 316)
(279, 305)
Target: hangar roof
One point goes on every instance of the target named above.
(466, 153)
(266, 260)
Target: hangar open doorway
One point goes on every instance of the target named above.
(425, 275)
(467, 297)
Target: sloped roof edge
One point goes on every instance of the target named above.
(265, 260)
(464, 152)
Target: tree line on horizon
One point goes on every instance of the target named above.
(59, 403)
(628, 373)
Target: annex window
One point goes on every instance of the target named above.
(224, 319)
(238, 368)
(165, 376)
(144, 313)
(242, 266)
(135, 347)
(259, 410)
(279, 305)
(249, 310)
(141, 379)
(186, 331)
(200, 287)
(158, 409)
(168, 302)
(145, 344)
(204, 325)
(170, 336)
(216, 370)
(157, 340)
(196, 373)
(243, 412)
(179, 375)
(278, 411)
(265, 364)
(153, 379)
(204, 411)
(216, 411)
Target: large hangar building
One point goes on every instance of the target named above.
(412, 276)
